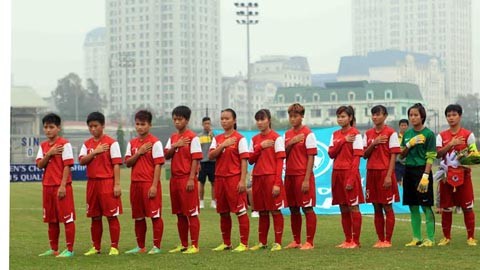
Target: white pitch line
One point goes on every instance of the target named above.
(423, 222)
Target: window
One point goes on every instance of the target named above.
(351, 96)
(369, 95)
(316, 113)
(388, 94)
(281, 98)
(281, 114)
(332, 112)
(298, 98)
(391, 110)
(333, 96)
(316, 98)
(404, 111)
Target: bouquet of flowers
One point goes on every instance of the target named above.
(467, 158)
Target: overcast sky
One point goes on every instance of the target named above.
(47, 36)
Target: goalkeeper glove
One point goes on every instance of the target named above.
(423, 185)
(419, 139)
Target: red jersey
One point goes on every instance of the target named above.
(446, 136)
(380, 156)
(183, 156)
(53, 172)
(101, 166)
(228, 162)
(344, 155)
(266, 159)
(297, 157)
(144, 168)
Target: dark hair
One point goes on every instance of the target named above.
(234, 116)
(182, 111)
(262, 114)
(454, 108)
(52, 118)
(96, 116)
(379, 108)
(349, 111)
(403, 121)
(206, 118)
(144, 115)
(421, 110)
(296, 108)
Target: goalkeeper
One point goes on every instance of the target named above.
(456, 188)
(418, 146)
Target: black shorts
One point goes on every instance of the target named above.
(207, 169)
(399, 171)
(411, 196)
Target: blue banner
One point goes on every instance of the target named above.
(322, 169)
(30, 172)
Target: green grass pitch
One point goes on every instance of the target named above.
(28, 238)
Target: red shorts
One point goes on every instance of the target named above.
(55, 209)
(463, 195)
(142, 205)
(100, 199)
(183, 201)
(376, 193)
(227, 196)
(342, 196)
(263, 200)
(293, 190)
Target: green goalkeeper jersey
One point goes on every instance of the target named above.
(420, 154)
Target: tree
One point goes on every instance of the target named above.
(470, 118)
(68, 96)
(93, 101)
(73, 101)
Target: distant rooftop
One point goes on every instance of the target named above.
(290, 62)
(360, 65)
(26, 97)
(96, 35)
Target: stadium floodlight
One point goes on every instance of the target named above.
(247, 12)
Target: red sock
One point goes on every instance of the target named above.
(263, 226)
(296, 225)
(389, 224)
(469, 219)
(70, 235)
(157, 224)
(356, 226)
(347, 226)
(244, 228)
(114, 227)
(182, 226)
(226, 228)
(96, 229)
(194, 224)
(447, 223)
(278, 226)
(311, 220)
(53, 234)
(379, 221)
(140, 232)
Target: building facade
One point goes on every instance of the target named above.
(441, 28)
(164, 53)
(235, 97)
(287, 71)
(95, 61)
(26, 112)
(321, 103)
(399, 66)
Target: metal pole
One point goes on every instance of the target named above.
(249, 91)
